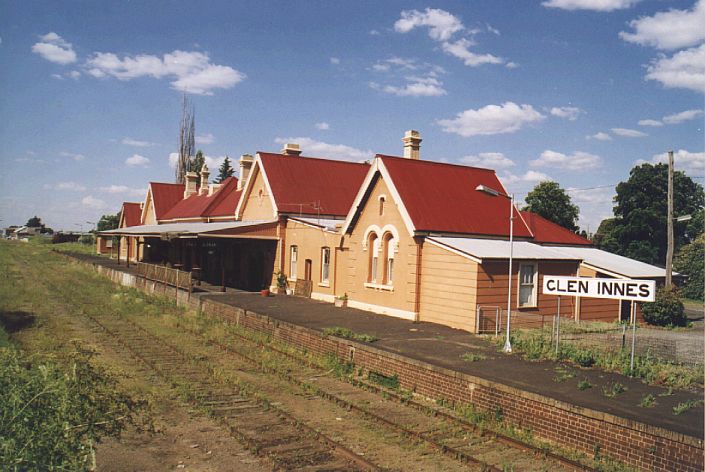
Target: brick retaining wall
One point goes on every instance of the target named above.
(635, 444)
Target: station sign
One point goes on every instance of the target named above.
(616, 289)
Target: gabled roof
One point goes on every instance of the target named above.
(221, 203)
(130, 214)
(548, 232)
(436, 197)
(311, 186)
(191, 207)
(165, 196)
(225, 200)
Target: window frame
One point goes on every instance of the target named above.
(293, 261)
(533, 302)
(325, 266)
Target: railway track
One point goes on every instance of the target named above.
(276, 431)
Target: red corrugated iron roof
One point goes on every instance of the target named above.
(225, 200)
(191, 207)
(546, 231)
(442, 198)
(131, 213)
(302, 185)
(165, 196)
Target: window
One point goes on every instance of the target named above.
(373, 246)
(325, 264)
(527, 285)
(293, 260)
(388, 252)
(381, 205)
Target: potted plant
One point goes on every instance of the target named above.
(281, 283)
(341, 300)
(265, 291)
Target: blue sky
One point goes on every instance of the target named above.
(577, 91)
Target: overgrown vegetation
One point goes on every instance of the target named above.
(347, 333)
(52, 411)
(685, 406)
(667, 310)
(390, 382)
(472, 357)
(613, 389)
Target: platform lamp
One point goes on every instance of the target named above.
(496, 193)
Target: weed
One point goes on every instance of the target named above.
(340, 369)
(682, 407)
(472, 357)
(584, 384)
(647, 401)
(613, 389)
(498, 414)
(563, 374)
(349, 334)
(391, 382)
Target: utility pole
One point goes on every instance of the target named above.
(669, 222)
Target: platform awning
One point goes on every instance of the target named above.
(483, 249)
(183, 230)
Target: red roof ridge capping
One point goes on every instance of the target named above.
(441, 198)
(386, 156)
(165, 196)
(312, 186)
(132, 213)
(326, 159)
(546, 231)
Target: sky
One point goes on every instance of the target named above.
(575, 91)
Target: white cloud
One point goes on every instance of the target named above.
(53, 48)
(569, 113)
(685, 69)
(136, 142)
(191, 72)
(123, 189)
(491, 119)
(311, 147)
(441, 24)
(92, 202)
(173, 159)
(205, 139)
(72, 155)
(57, 76)
(334, 60)
(74, 74)
(672, 29)
(628, 133)
(137, 160)
(489, 160)
(577, 161)
(415, 87)
(690, 162)
(374, 32)
(601, 136)
(650, 123)
(69, 186)
(511, 65)
(323, 126)
(682, 116)
(461, 50)
(531, 176)
(594, 5)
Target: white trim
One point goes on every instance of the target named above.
(360, 194)
(384, 287)
(454, 251)
(324, 297)
(150, 197)
(397, 198)
(324, 284)
(380, 232)
(383, 310)
(534, 294)
(313, 225)
(257, 165)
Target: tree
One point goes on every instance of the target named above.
(689, 261)
(224, 171)
(196, 163)
(187, 139)
(549, 200)
(639, 229)
(34, 222)
(108, 222)
(667, 310)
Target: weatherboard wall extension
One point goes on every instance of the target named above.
(635, 444)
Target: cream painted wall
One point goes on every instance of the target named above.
(256, 207)
(149, 216)
(310, 242)
(448, 288)
(402, 295)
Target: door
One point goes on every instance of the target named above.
(308, 269)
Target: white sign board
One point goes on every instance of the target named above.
(619, 289)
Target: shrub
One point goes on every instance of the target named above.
(689, 261)
(667, 310)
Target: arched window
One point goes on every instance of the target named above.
(373, 247)
(388, 254)
(382, 201)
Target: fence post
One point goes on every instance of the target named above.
(631, 362)
(558, 333)
(497, 319)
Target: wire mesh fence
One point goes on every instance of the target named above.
(682, 347)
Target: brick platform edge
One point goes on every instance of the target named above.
(635, 444)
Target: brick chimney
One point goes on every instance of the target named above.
(204, 179)
(291, 149)
(412, 144)
(246, 161)
(191, 187)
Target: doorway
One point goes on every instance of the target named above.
(308, 269)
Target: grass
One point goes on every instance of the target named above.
(349, 334)
(613, 389)
(390, 382)
(563, 374)
(682, 407)
(647, 401)
(472, 357)
(584, 384)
